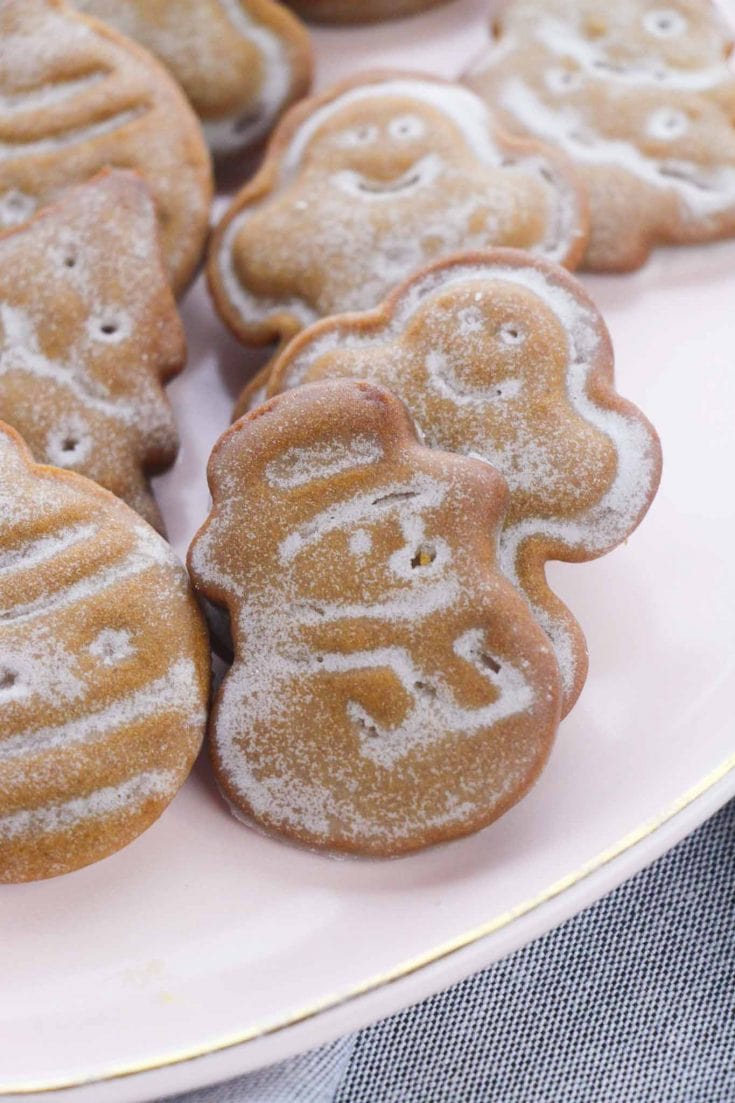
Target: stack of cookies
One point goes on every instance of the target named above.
(435, 418)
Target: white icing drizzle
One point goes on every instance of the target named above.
(48, 94)
(142, 557)
(100, 804)
(71, 137)
(32, 554)
(175, 692)
(562, 40)
(299, 466)
(434, 711)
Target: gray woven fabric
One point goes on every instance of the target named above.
(633, 1001)
(312, 1078)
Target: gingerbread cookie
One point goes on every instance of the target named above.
(641, 96)
(75, 97)
(506, 358)
(390, 688)
(240, 62)
(104, 670)
(367, 182)
(360, 11)
(88, 334)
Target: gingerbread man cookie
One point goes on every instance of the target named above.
(641, 95)
(240, 62)
(76, 97)
(506, 358)
(390, 688)
(367, 182)
(104, 670)
(360, 11)
(88, 334)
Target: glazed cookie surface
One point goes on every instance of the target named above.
(76, 97)
(390, 688)
(360, 11)
(240, 62)
(89, 332)
(641, 95)
(506, 358)
(104, 670)
(369, 181)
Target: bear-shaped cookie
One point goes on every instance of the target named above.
(89, 333)
(390, 688)
(104, 670)
(641, 95)
(240, 62)
(76, 97)
(370, 180)
(507, 358)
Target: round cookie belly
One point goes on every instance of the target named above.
(372, 766)
(104, 671)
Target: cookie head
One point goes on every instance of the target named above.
(104, 671)
(390, 689)
(641, 96)
(505, 358)
(368, 182)
(89, 333)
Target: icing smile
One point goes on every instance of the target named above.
(421, 174)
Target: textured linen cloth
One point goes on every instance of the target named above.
(632, 1001)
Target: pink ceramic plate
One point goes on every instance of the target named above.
(204, 950)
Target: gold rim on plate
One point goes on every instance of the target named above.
(407, 968)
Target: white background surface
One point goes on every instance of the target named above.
(202, 929)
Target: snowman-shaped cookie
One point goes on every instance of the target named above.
(390, 688)
(503, 357)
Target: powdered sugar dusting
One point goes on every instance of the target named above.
(367, 642)
(305, 464)
(634, 86)
(98, 805)
(339, 230)
(87, 328)
(98, 643)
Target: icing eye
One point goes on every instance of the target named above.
(69, 444)
(563, 80)
(406, 127)
(111, 646)
(363, 135)
(664, 22)
(511, 334)
(15, 207)
(667, 123)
